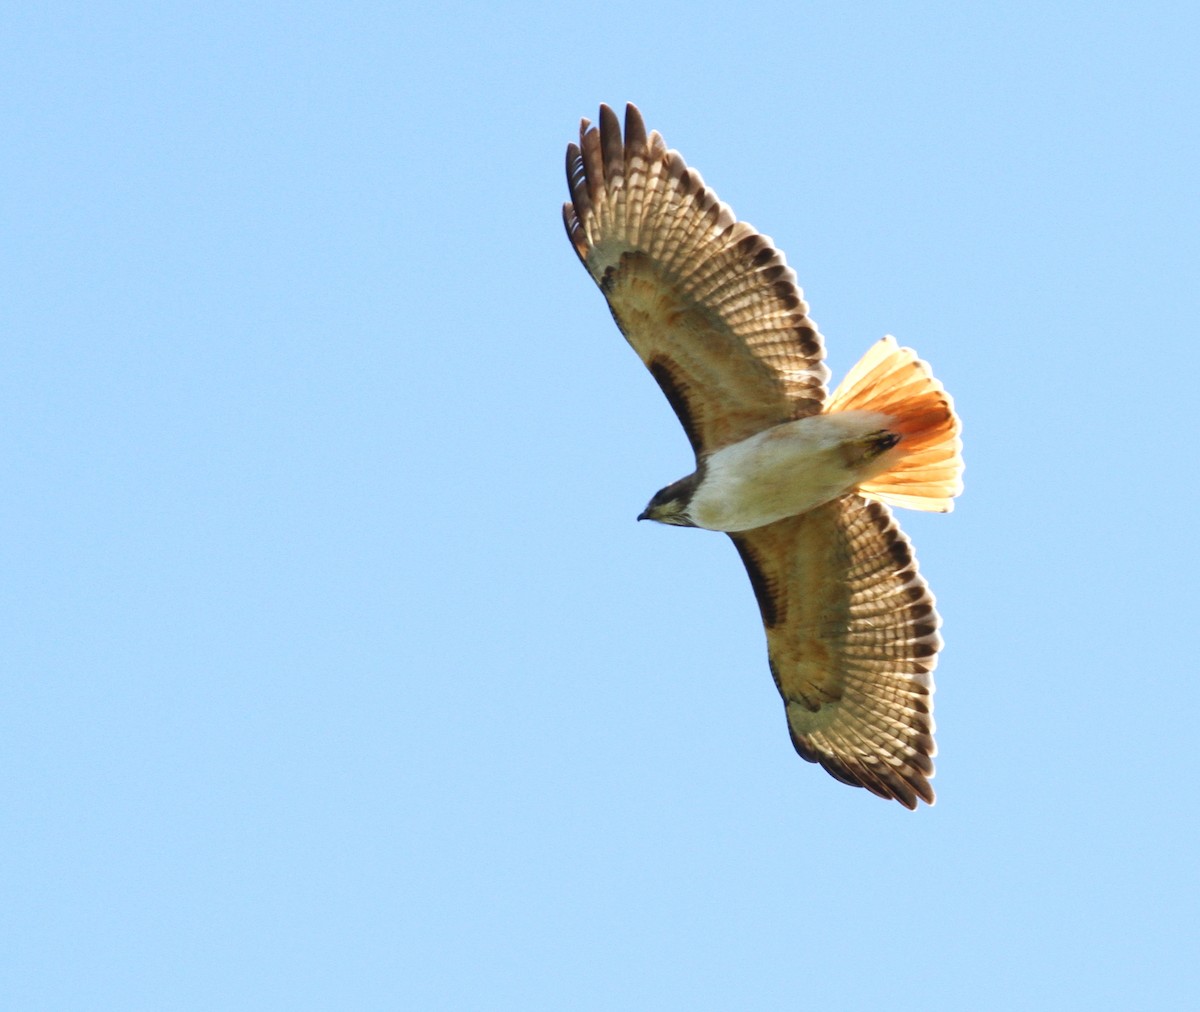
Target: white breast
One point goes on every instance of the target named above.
(785, 471)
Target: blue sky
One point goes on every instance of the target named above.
(337, 673)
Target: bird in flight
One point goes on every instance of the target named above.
(800, 480)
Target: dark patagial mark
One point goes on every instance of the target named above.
(672, 388)
(762, 588)
(774, 673)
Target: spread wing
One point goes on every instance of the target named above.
(709, 304)
(852, 637)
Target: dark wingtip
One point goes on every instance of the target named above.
(635, 127)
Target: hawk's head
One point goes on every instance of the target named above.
(670, 505)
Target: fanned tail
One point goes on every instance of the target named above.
(891, 380)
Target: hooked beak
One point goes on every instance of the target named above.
(645, 514)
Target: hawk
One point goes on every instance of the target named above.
(801, 481)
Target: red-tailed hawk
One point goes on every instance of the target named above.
(800, 481)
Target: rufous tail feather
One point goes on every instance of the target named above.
(891, 380)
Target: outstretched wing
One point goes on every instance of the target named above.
(852, 637)
(709, 304)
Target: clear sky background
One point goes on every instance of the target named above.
(336, 671)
